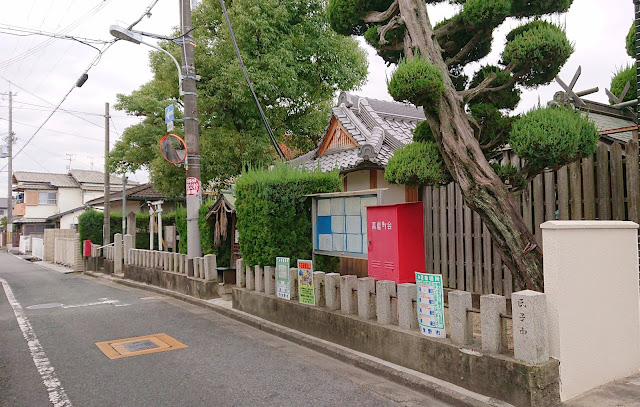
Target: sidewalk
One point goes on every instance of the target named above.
(624, 392)
(45, 264)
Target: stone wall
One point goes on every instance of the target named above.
(380, 318)
(197, 277)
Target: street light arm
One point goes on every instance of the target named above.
(180, 92)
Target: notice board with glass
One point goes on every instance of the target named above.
(339, 222)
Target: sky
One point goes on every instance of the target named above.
(41, 71)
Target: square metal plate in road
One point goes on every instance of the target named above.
(140, 345)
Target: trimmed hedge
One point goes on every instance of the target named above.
(274, 215)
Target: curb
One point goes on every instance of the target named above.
(436, 388)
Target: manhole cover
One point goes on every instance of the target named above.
(43, 306)
(139, 345)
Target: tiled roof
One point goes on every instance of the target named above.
(377, 126)
(606, 123)
(96, 177)
(54, 180)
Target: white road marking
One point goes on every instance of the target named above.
(103, 301)
(57, 395)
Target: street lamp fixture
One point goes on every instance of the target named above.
(135, 37)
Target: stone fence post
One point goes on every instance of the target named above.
(117, 256)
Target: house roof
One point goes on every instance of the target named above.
(84, 179)
(613, 123)
(26, 178)
(96, 177)
(144, 192)
(61, 214)
(377, 127)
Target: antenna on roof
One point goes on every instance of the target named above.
(69, 158)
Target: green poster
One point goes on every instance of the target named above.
(305, 282)
(282, 278)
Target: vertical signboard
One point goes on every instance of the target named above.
(283, 289)
(430, 305)
(305, 282)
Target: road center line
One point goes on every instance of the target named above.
(57, 395)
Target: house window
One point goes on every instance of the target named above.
(1, 212)
(47, 198)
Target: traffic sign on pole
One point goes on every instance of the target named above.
(170, 126)
(168, 114)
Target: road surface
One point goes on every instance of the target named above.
(51, 323)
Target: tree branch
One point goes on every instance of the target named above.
(466, 49)
(496, 141)
(452, 26)
(393, 23)
(483, 87)
(380, 16)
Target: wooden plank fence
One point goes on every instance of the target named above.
(458, 245)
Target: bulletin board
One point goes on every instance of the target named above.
(339, 222)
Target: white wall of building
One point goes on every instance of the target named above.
(69, 198)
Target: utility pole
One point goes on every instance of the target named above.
(10, 171)
(191, 131)
(106, 232)
(124, 205)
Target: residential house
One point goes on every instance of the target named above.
(46, 200)
(137, 199)
(361, 136)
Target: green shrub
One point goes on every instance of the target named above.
(553, 137)
(90, 225)
(539, 49)
(207, 228)
(274, 215)
(417, 81)
(417, 164)
(181, 228)
(620, 79)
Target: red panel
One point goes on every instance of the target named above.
(396, 241)
(86, 252)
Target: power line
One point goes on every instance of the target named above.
(46, 109)
(55, 131)
(48, 42)
(93, 63)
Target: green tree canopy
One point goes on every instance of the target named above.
(295, 62)
(468, 119)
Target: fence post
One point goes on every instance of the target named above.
(407, 313)
(460, 320)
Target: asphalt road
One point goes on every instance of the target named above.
(50, 324)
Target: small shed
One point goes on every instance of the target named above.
(223, 216)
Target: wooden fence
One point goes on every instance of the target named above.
(458, 245)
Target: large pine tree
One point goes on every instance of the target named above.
(465, 121)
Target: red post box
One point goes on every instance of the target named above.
(86, 248)
(395, 241)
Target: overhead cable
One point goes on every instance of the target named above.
(276, 146)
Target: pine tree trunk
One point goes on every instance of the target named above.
(482, 190)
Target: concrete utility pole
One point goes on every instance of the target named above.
(191, 132)
(124, 205)
(10, 171)
(106, 232)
